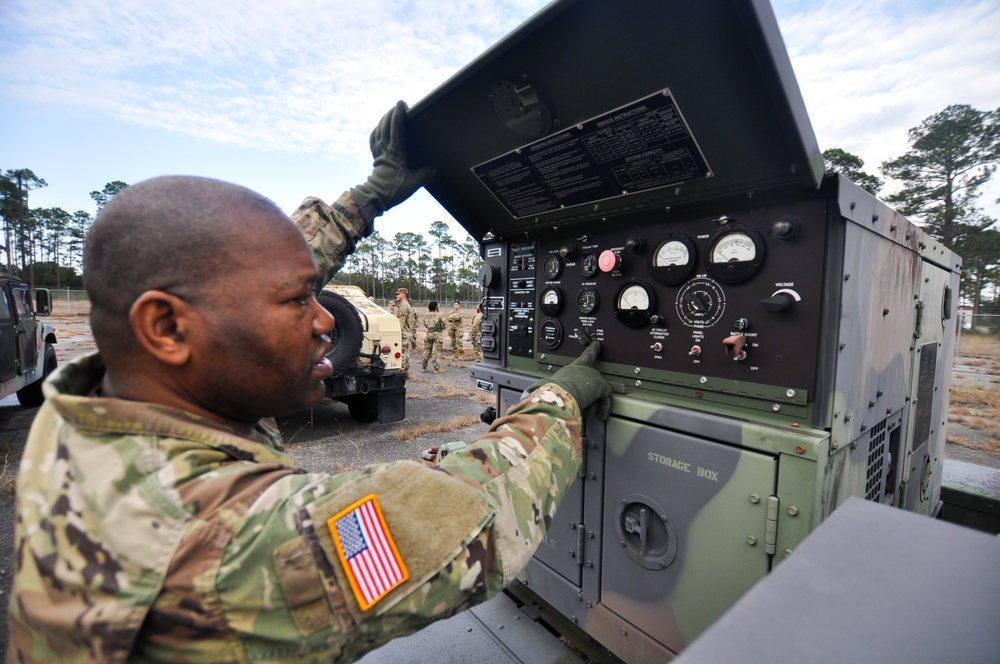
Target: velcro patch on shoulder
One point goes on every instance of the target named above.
(367, 551)
(426, 537)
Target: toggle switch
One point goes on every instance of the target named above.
(736, 344)
(695, 350)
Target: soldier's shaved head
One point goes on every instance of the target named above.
(174, 234)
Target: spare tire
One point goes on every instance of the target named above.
(347, 334)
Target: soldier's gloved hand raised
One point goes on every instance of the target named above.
(391, 182)
(584, 382)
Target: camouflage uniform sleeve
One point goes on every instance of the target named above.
(332, 232)
(462, 530)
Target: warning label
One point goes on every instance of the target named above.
(643, 145)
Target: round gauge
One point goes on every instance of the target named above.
(673, 259)
(550, 334)
(588, 264)
(634, 303)
(587, 300)
(551, 301)
(552, 267)
(735, 254)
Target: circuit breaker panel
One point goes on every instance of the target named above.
(645, 174)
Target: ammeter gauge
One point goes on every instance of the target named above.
(587, 300)
(552, 267)
(551, 301)
(673, 259)
(634, 303)
(588, 264)
(735, 254)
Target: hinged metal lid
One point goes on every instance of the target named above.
(594, 107)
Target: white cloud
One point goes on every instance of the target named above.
(312, 76)
(298, 75)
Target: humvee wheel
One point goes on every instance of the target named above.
(363, 407)
(30, 396)
(347, 334)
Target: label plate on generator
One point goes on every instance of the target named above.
(640, 146)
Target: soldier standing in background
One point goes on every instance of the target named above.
(402, 313)
(476, 333)
(434, 322)
(414, 324)
(455, 328)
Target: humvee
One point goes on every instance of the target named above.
(27, 351)
(366, 354)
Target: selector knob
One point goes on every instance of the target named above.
(741, 324)
(778, 302)
(608, 261)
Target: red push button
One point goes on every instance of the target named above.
(608, 261)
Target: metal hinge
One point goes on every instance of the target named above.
(771, 531)
(583, 454)
(581, 531)
(920, 320)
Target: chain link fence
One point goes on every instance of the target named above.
(68, 302)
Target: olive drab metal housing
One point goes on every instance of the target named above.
(644, 173)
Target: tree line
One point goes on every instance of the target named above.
(952, 155)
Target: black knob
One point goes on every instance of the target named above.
(488, 415)
(566, 251)
(488, 275)
(634, 244)
(778, 302)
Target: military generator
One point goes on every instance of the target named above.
(644, 173)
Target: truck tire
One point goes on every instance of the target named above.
(347, 334)
(30, 396)
(363, 407)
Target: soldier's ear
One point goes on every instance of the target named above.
(161, 323)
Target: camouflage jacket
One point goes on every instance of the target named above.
(147, 533)
(404, 312)
(434, 322)
(476, 331)
(455, 320)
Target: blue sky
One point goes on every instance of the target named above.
(280, 97)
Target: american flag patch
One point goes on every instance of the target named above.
(366, 549)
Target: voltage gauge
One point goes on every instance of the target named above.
(551, 301)
(587, 300)
(588, 264)
(552, 267)
(735, 254)
(634, 303)
(673, 259)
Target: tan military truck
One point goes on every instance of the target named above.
(366, 355)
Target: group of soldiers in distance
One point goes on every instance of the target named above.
(436, 324)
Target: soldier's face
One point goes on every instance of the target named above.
(262, 352)
(457, 306)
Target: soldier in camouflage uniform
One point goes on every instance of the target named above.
(476, 334)
(434, 324)
(414, 323)
(455, 328)
(403, 313)
(158, 517)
